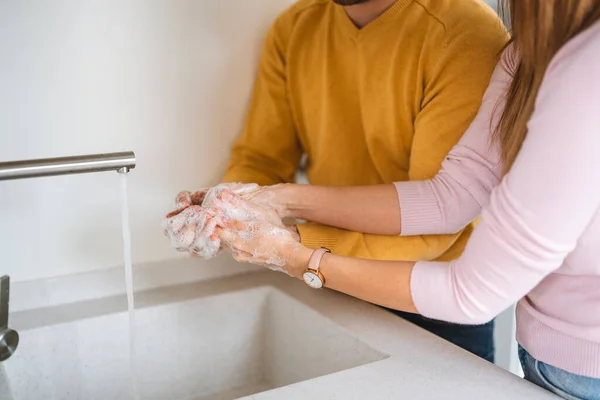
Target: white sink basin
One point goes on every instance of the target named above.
(222, 346)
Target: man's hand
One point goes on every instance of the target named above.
(191, 226)
(185, 199)
(193, 230)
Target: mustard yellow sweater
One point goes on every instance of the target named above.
(375, 105)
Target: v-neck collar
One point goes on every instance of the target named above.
(355, 33)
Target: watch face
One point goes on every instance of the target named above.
(312, 280)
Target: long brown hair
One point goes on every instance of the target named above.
(539, 29)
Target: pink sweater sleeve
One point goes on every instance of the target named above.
(454, 198)
(537, 213)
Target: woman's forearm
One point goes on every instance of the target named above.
(366, 209)
(386, 283)
(443, 205)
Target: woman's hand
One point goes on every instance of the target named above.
(276, 197)
(263, 239)
(262, 243)
(186, 199)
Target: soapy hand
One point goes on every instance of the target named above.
(261, 239)
(193, 230)
(186, 199)
(191, 227)
(265, 196)
(271, 197)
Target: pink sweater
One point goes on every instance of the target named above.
(538, 241)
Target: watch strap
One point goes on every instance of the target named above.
(315, 259)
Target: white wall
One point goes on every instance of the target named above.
(492, 3)
(167, 79)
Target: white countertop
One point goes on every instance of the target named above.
(420, 365)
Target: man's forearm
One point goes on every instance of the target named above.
(366, 209)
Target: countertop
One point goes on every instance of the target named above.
(420, 365)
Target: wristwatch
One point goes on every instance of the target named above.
(312, 277)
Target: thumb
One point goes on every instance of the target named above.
(183, 200)
(227, 236)
(197, 198)
(173, 213)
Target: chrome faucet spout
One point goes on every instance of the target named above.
(67, 165)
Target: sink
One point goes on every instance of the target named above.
(221, 346)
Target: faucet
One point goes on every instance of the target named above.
(9, 339)
(120, 162)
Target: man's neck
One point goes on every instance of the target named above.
(364, 13)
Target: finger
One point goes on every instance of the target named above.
(244, 188)
(207, 243)
(260, 192)
(231, 239)
(193, 230)
(181, 229)
(206, 228)
(228, 204)
(176, 223)
(198, 197)
(183, 239)
(183, 200)
(210, 249)
(226, 196)
(242, 207)
(173, 213)
(182, 218)
(241, 256)
(239, 201)
(197, 214)
(236, 225)
(227, 236)
(211, 194)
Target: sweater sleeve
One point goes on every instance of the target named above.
(454, 198)
(268, 151)
(382, 247)
(538, 212)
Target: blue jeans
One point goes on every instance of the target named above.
(476, 339)
(558, 381)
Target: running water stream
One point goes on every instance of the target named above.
(128, 280)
